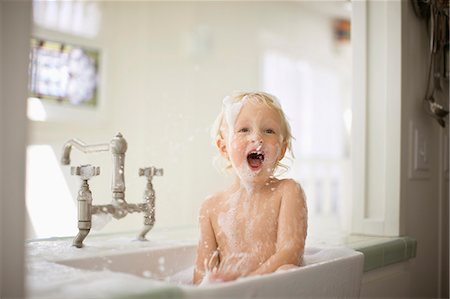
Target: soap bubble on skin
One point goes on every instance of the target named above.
(246, 175)
(226, 220)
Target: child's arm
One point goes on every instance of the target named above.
(292, 229)
(207, 245)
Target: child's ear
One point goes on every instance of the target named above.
(283, 151)
(222, 146)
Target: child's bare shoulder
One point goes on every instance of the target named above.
(211, 201)
(291, 190)
(290, 185)
(293, 195)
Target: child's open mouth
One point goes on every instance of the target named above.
(255, 160)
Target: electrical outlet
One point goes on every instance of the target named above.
(419, 151)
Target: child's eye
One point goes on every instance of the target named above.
(243, 130)
(269, 131)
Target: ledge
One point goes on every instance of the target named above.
(378, 251)
(386, 251)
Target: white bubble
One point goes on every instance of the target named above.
(161, 260)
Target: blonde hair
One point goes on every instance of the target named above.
(260, 98)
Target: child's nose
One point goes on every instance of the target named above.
(257, 138)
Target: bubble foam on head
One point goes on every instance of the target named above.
(231, 111)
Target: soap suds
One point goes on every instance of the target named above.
(227, 220)
(231, 111)
(247, 175)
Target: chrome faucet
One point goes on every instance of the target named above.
(119, 208)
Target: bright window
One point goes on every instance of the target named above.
(63, 73)
(317, 100)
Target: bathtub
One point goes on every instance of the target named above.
(327, 272)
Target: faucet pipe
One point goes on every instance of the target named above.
(119, 212)
(149, 199)
(84, 213)
(118, 146)
(149, 214)
(81, 146)
(84, 200)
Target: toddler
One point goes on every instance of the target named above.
(258, 224)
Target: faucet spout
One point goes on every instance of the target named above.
(144, 231)
(78, 240)
(81, 146)
(149, 199)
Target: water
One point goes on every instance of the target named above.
(99, 221)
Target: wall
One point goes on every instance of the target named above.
(13, 131)
(424, 193)
(424, 201)
(162, 88)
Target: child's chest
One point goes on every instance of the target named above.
(247, 221)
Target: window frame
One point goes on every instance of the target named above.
(376, 124)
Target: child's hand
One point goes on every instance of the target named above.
(231, 268)
(222, 276)
(216, 276)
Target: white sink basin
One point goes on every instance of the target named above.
(333, 272)
(159, 263)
